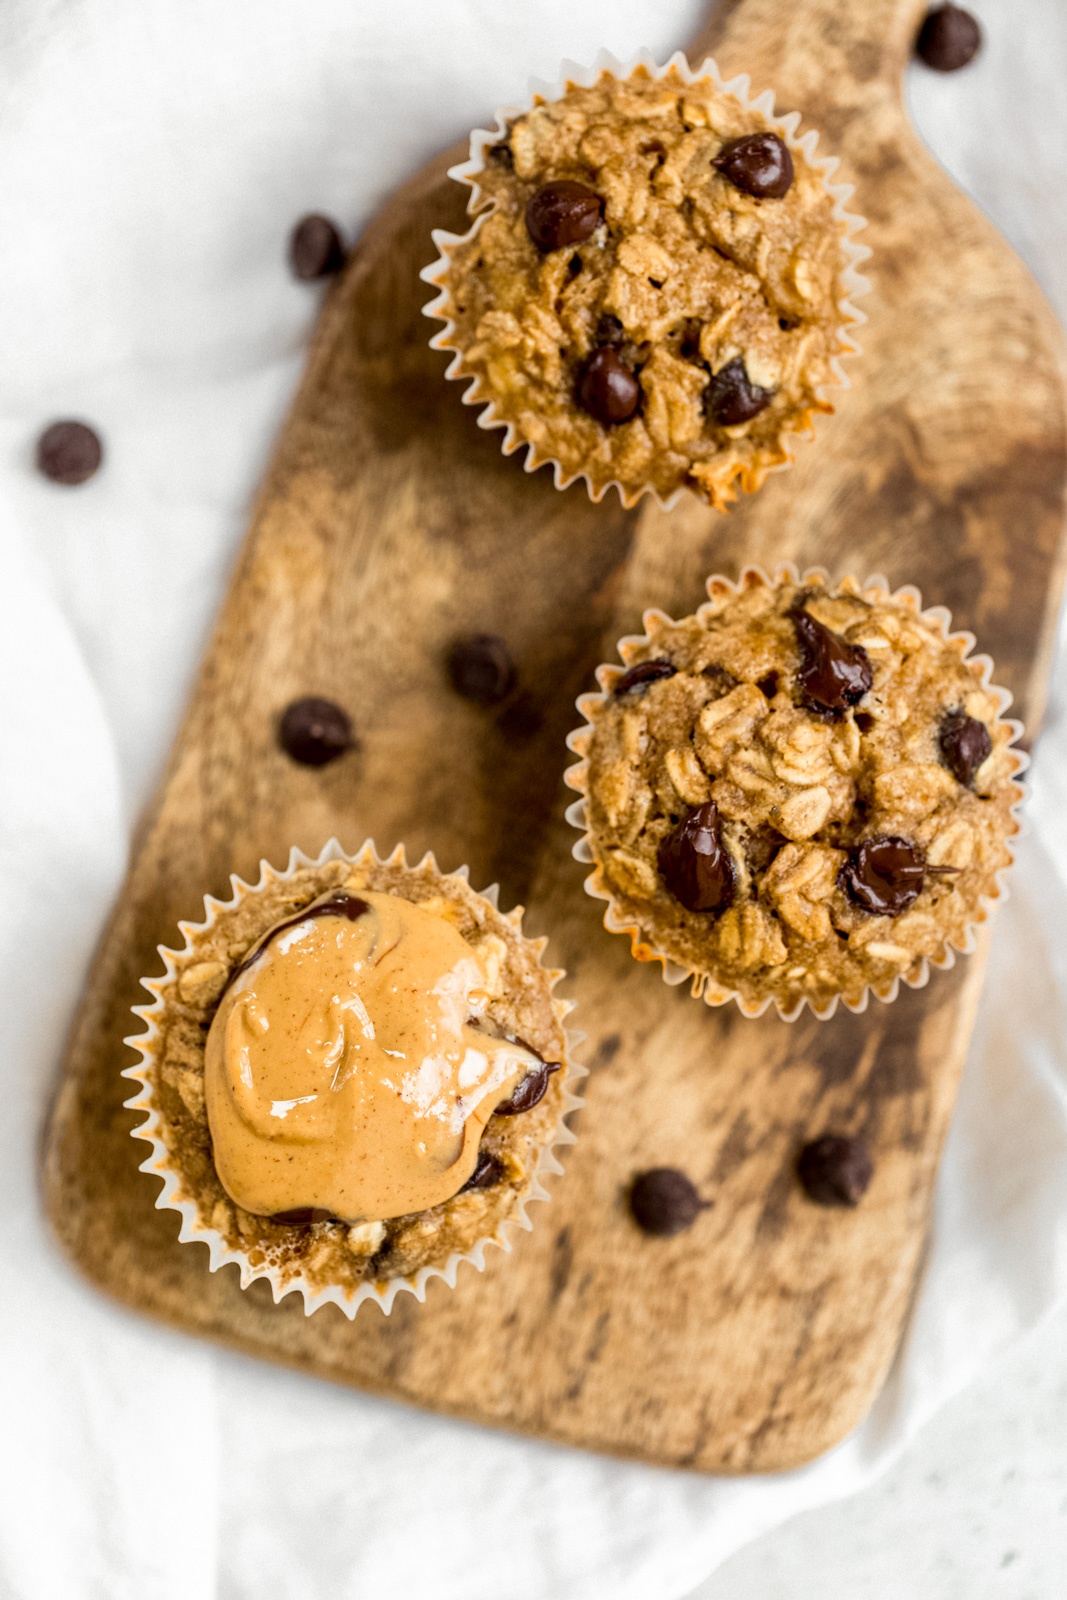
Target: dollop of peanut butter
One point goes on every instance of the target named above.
(346, 1070)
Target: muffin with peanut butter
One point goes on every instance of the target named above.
(353, 1073)
(656, 291)
(801, 793)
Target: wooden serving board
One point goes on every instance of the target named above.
(389, 523)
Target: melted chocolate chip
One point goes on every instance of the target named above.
(481, 669)
(562, 213)
(835, 1171)
(884, 875)
(304, 1216)
(341, 904)
(314, 731)
(833, 674)
(488, 1171)
(948, 38)
(529, 1091)
(69, 453)
(759, 164)
(316, 249)
(664, 1202)
(964, 743)
(607, 389)
(644, 673)
(731, 397)
(694, 864)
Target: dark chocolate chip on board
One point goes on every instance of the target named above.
(731, 397)
(481, 669)
(69, 453)
(964, 743)
(314, 731)
(694, 863)
(884, 875)
(562, 213)
(316, 249)
(835, 1171)
(833, 674)
(607, 389)
(948, 38)
(759, 164)
(663, 1201)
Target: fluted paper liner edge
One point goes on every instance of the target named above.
(598, 887)
(480, 207)
(161, 1164)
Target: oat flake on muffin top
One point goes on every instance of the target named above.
(799, 792)
(657, 295)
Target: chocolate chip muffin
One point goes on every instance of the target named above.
(656, 292)
(799, 793)
(354, 1072)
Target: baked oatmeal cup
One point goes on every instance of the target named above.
(656, 291)
(355, 1073)
(802, 794)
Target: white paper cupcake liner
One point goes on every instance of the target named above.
(616, 920)
(480, 206)
(160, 1162)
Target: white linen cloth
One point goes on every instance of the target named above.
(153, 156)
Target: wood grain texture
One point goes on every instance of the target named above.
(388, 524)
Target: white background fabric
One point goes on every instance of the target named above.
(153, 155)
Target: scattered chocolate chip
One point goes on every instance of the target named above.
(315, 731)
(562, 213)
(694, 864)
(833, 674)
(664, 1202)
(529, 1091)
(481, 669)
(884, 875)
(731, 397)
(759, 164)
(964, 743)
(303, 1216)
(69, 453)
(641, 675)
(610, 331)
(316, 249)
(488, 1171)
(948, 38)
(835, 1171)
(607, 388)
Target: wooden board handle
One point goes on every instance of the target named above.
(814, 53)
